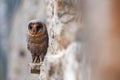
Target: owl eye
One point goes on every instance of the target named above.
(29, 27)
(39, 27)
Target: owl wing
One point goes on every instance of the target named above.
(44, 47)
(28, 42)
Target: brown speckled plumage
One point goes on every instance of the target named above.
(38, 40)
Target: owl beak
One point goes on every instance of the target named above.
(35, 31)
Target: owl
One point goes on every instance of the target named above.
(37, 40)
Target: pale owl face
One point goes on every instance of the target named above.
(35, 28)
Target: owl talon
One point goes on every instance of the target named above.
(35, 60)
(40, 59)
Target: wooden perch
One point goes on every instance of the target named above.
(35, 67)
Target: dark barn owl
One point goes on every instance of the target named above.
(38, 40)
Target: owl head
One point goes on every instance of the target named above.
(36, 28)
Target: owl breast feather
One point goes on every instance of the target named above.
(37, 46)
